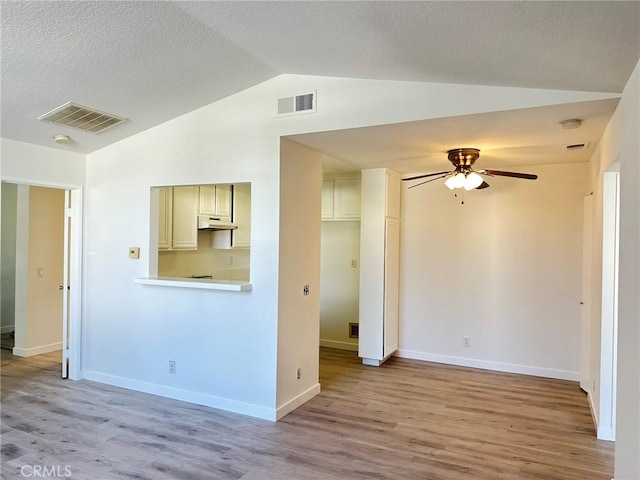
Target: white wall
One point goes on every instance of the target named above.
(36, 165)
(503, 269)
(299, 265)
(620, 143)
(8, 252)
(339, 283)
(225, 344)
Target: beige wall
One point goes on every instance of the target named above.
(40, 243)
(299, 265)
(340, 283)
(504, 269)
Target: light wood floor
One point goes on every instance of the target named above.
(404, 420)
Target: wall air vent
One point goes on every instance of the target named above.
(297, 104)
(80, 117)
(576, 146)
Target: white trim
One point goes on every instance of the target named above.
(74, 353)
(594, 412)
(339, 345)
(490, 365)
(603, 432)
(295, 402)
(189, 396)
(7, 329)
(30, 352)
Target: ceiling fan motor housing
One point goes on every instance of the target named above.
(463, 157)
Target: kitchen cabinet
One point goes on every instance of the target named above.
(165, 214)
(215, 200)
(241, 217)
(241, 237)
(379, 266)
(341, 198)
(178, 219)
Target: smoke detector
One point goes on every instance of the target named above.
(571, 123)
(62, 139)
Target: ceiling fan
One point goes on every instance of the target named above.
(463, 175)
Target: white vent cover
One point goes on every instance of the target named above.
(297, 104)
(83, 118)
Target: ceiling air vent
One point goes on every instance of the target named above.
(297, 104)
(83, 118)
(576, 146)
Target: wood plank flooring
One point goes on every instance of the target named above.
(404, 420)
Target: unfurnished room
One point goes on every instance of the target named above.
(320, 240)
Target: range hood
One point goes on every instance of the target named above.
(210, 222)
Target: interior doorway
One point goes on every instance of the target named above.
(44, 230)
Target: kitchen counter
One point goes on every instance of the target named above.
(201, 283)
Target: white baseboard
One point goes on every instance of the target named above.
(339, 345)
(221, 403)
(30, 352)
(295, 402)
(594, 412)
(489, 365)
(7, 329)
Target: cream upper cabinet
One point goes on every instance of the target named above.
(241, 237)
(185, 218)
(165, 218)
(346, 204)
(327, 200)
(215, 200)
(178, 218)
(341, 198)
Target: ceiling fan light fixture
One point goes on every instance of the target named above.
(459, 180)
(450, 182)
(472, 181)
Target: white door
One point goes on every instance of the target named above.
(585, 302)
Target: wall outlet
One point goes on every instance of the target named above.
(466, 341)
(298, 373)
(134, 252)
(354, 263)
(305, 290)
(172, 367)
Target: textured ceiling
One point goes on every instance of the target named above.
(152, 61)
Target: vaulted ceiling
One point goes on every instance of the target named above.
(152, 61)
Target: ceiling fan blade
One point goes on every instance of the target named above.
(424, 176)
(483, 185)
(430, 180)
(526, 176)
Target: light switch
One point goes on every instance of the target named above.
(134, 252)
(40, 272)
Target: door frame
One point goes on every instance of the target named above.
(609, 312)
(76, 193)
